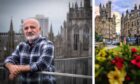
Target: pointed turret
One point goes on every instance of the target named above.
(122, 15)
(76, 5)
(11, 44)
(72, 5)
(69, 5)
(87, 3)
(100, 5)
(81, 4)
(135, 8)
(51, 35)
(11, 26)
(51, 31)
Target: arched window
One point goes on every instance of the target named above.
(86, 38)
(76, 38)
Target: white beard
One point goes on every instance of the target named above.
(31, 38)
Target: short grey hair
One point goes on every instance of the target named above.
(31, 19)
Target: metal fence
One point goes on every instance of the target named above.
(68, 71)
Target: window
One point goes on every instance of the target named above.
(86, 38)
(76, 41)
(76, 38)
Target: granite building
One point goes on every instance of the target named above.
(105, 24)
(130, 22)
(76, 31)
(73, 44)
(8, 41)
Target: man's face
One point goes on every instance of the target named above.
(31, 29)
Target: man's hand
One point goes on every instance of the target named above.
(15, 70)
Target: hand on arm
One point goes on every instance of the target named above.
(15, 70)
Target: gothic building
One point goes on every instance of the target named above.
(130, 22)
(73, 44)
(51, 35)
(8, 41)
(76, 32)
(105, 23)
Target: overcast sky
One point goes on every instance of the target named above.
(118, 7)
(55, 10)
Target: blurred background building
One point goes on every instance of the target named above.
(105, 22)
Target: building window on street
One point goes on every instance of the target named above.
(86, 38)
(76, 41)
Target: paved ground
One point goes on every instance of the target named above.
(110, 46)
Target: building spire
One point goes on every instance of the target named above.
(69, 5)
(135, 8)
(51, 31)
(81, 4)
(76, 5)
(51, 35)
(87, 3)
(72, 5)
(11, 25)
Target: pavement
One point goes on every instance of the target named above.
(111, 46)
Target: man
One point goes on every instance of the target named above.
(34, 55)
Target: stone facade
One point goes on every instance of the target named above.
(73, 44)
(105, 24)
(130, 22)
(9, 41)
(75, 35)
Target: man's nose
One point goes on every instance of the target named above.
(29, 29)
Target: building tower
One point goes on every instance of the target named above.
(51, 35)
(11, 34)
(44, 24)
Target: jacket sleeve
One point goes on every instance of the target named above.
(45, 60)
(14, 57)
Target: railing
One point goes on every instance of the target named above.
(74, 71)
(66, 74)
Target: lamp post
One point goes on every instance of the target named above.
(109, 28)
(137, 36)
(5, 49)
(102, 32)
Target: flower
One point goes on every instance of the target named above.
(136, 61)
(135, 55)
(117, 76)
(127, 78)
(124, 59)
(118, 62)
(133, 50)
(97, 66)
(101, 56)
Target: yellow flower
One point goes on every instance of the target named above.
(117, 76)
(101, 56)
(97, 66)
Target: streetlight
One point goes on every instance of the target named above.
(137, 36)
(5, 49)
(109, 28)
(102, 32)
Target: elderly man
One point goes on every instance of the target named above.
(31, 56)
